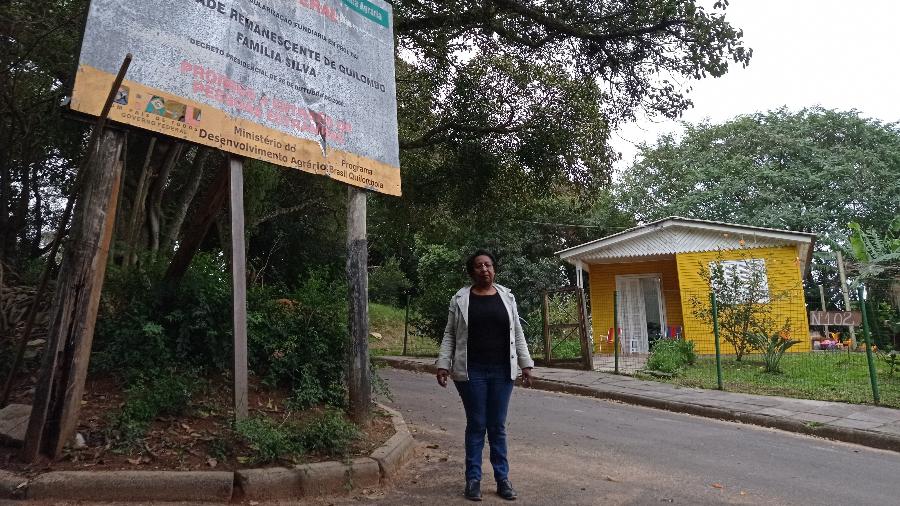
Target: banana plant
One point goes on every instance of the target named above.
(878, 256)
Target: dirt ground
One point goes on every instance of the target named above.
(201, 439)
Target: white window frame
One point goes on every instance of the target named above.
(743, 268)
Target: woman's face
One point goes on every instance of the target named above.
(483, 270)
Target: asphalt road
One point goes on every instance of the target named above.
(569, 450)
(572, 450)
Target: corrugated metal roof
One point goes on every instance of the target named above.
(683, 235)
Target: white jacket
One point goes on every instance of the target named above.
(454, 346)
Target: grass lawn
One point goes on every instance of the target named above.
(388, 322)
(827, 376)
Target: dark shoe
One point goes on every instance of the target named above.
(505, 490)
(473, 490)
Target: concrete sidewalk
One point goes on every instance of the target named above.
(853, 423)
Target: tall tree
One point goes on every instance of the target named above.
(635, 50)
(38, 147)
(814, 170)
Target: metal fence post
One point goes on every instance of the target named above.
(715, 318)
(616, 330)
(873, 375)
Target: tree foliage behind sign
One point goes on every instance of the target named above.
(634, 51)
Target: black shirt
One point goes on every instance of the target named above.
(488, 330)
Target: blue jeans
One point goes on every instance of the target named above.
(485, 397)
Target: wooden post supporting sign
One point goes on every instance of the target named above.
(57, 398)
(358, 381)
(73, 313)
(239, 282)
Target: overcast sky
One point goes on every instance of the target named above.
(837, 54)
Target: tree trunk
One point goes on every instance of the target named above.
(184, 199)
(132, 234)
(21, 216)
(5, 188)
(118, 229)
(38, 226)
(895, 293)
(157, 190)
(196, 231)
(223, 229)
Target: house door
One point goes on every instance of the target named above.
(642, 313)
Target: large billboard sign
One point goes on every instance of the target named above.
(306, 84)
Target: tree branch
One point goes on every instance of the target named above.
(280, 212)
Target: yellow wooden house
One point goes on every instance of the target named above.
(654, 273)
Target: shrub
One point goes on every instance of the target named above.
(891, 358)
(271, 441)
(686, 349)
(774, 347)
(671, 355)
(308, 389)
(330, 433)
(566, 349)
(744, 301)
(198, 316)
(141, 328)
(155, 393)
(128, 338)
(441, 274)
(300, 342)
(666, 357)
(387, 283)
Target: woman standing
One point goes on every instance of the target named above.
(482, 346)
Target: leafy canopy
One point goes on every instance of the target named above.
(814, 170)
(526, 91)
(635, 50)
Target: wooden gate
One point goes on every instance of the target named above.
(566, 339)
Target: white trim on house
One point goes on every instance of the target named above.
(683, 235)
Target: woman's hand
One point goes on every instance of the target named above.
(526, 377)
(442, 377)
